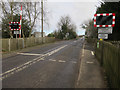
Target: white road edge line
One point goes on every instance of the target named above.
(81, 64)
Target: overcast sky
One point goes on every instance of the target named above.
(78, 10)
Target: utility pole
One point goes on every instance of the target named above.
(11, 5)
(42, 19)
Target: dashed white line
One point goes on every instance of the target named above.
(52, 60)
(61, 61)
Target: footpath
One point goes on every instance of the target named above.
(91, 74)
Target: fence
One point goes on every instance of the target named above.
(116, 43)
(109, 57)
(15, 44)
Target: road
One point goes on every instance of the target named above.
(52, 66)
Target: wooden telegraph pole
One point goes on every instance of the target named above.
(42, 19)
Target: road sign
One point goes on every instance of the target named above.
(105, 30)
(16, 32)
(14, 26)
(104, 20)
(103, 36)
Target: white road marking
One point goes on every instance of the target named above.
(52, 60)
(42, 59)
(83, 51)
(32, 54)
(89, 62)
(81, 65)
(8, 71)
(92, 53)
(61, 61)
(27, 64)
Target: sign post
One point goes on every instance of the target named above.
(16, 26)
(104, 22)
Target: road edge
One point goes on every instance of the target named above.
(80, 65)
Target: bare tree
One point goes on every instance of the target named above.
(32, 11)
(8, 10)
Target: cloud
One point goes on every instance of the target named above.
(78, 11)
(72, 0)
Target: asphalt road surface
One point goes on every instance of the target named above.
(52, 66)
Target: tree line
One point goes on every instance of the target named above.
(30, 14)
(11, 13)
(66, 29)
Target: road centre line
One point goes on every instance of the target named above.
(53, 49)
(27, 64)
(61, 61)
